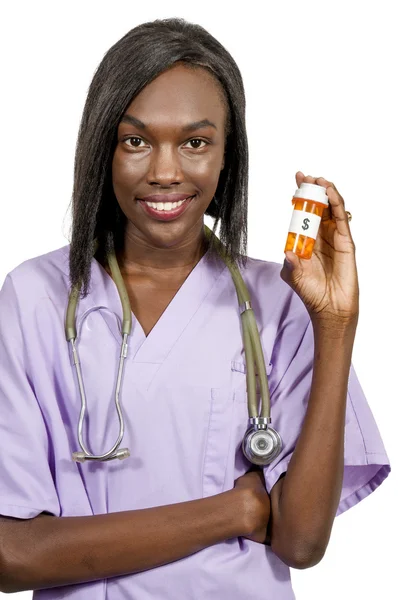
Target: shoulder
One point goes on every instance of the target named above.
(271, 296)
(263, 273)
(37, 277)
(281, 316)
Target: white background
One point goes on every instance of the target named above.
(321, 89)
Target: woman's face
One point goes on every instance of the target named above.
(158, 153)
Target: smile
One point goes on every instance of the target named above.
(166, 211)
(166, 205)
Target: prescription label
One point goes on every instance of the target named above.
(304, 223)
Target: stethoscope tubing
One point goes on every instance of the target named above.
(252, 348)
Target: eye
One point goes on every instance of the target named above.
(133, 138)
(138, 139)
(197, 140)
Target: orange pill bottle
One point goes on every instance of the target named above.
(309, 202)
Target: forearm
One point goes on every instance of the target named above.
(52, 551)
(313, 482)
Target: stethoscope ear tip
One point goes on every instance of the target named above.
(122, 453)
(81, 457)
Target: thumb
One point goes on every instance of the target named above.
(299, 178)
(291, 260)
(290, 270)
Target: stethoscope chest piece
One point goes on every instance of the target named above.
(261, 446)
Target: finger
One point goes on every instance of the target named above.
(299, 178)
(320, 181)
(328, 213)
(339, 214)
(326, 184)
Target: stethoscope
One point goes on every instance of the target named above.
(261, 443)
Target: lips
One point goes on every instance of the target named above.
(166, 215)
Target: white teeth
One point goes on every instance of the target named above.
(165, 205)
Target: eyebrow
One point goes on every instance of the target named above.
(189, 127)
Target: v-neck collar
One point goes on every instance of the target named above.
(155, 347)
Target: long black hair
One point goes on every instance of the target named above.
(127, 67)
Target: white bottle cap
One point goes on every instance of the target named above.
(311, 191)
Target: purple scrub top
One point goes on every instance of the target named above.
(184, 402)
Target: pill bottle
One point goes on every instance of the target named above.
(309, 202)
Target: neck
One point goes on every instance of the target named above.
(139, 255)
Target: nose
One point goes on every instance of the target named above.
(165, 167)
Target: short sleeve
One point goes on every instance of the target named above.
(366, 463)
(26, 484)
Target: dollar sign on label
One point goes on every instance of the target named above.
(305, 226)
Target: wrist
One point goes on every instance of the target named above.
(239, 504)
(335, 327)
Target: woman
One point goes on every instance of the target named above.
(186, 515)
